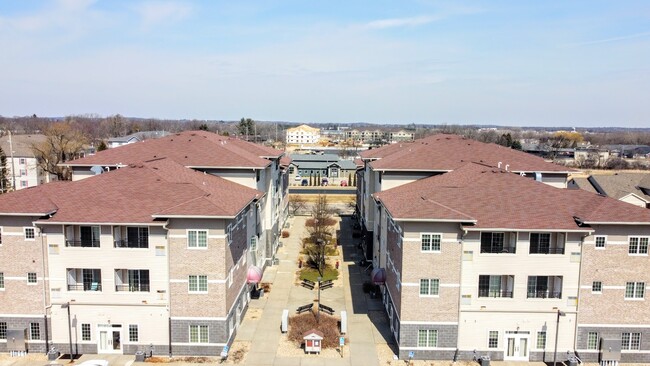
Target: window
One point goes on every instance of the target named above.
(427, 338)
(631, 341)
(84, 279)
(198, 283)
(597, 286)
(31, 277)
(634, 290)
(638, 245)
(601, 241)
(133, 332)
(34, 331)
(197, 239)
(431, 242)
(495, 286)
(85, 332)
(23, 172)
(198, 334)
(493, 339)
(592, 340)
(3, 330)
(541, 340)
(132, 280)
(2, 281)
(429, 287)
(22, 161)
(291, 169)
(23, 184)
(30, 234)
(545, 287)
(253, 246)
(495, 243)
(136, 237)
(88, 237)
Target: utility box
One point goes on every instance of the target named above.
(16, 340)
(139, 356)
(344, 321)
(284, 325)
(610, 349)
(484, 361)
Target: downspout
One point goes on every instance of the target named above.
(460, 291)
(45, 286)
(582, 242)
(169, 293)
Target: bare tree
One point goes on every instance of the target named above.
(63, 142)
(297, 203)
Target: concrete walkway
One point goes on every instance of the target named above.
(264, 330)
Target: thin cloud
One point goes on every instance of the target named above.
(613, 39)
(402, 22)
(153, 13)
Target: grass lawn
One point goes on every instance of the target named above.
(311, 274)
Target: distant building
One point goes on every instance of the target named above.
(22, 166)
(303, 135)
(377, 135)
(633, 188)
(135, 137)
(329, 166)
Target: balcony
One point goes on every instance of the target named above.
(131, 243)
(495, 250)
(498, 242)
(483, 292)
(83, 243)
(544, 294)
(546, 250)
(89, 286)
(135, 287)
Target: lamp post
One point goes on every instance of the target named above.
(557, 331)
(67, 306)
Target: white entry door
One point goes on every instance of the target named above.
(517, 346)
(109, 338)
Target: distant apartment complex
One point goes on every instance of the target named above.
(480, 257)
(633, 188)
(328, 166)
(22, 166)
(302, 135)
(378, 135)
(135, 137)
(155, 251)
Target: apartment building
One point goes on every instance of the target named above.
(21, 164)
(401, 163)
(373, 136)
(302, 135)
(151, 256)
(251, 165)
(480, 261)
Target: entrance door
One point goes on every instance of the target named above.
(110, 338)
(516, 346)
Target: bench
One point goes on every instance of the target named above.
(325, 283)
(326, 309)
(325, 286)
(308, 284)
(312, 283)
(302, 309)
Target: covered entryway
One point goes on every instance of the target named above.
(517, 346)
(109, 338)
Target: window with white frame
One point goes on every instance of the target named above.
(597, 287)
(634, 290)
(23, 184)
(638, 245)
(592, 340)
(429, 287)
(197, 238)
(31, 277)
(541, 340)
(22, 161)
(2, 281)
(493, 339)
(85, 332)
(427, 338)
(30, 233)
(199, 334)
(3, 330)
(133, 333)
(198, 283)
(23, 172)
(601, 241)
(431, 242)
(631, 341)
(34, 331)
(253, 244)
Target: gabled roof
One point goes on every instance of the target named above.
(448, 152)
(618, 185)
(138, 193)
(484, 197)
(142, 135)
(197, 149)
(22, 144)
(303, 128)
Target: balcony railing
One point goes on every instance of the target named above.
(538, 250)
(142, 287)
(482, 292)
(511, 250)
(122, 243)
(85, 243)
(544, 294)
(88, 286)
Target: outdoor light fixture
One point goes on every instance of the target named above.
(67, 306)
(557, 331)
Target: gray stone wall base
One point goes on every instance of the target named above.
(23, 323)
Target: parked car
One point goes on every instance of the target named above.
(324, 182)
(304, 182)
(297, 178)
(94, 363)
(344, 183)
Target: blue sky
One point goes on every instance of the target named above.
(548, 63)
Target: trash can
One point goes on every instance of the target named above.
(139, 356)
(484, 360)
(261, 292)
(53, 354)
(572, 361)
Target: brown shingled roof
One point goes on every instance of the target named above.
(189, 148)
(448, 152)
(495, 199)
(135, 194)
